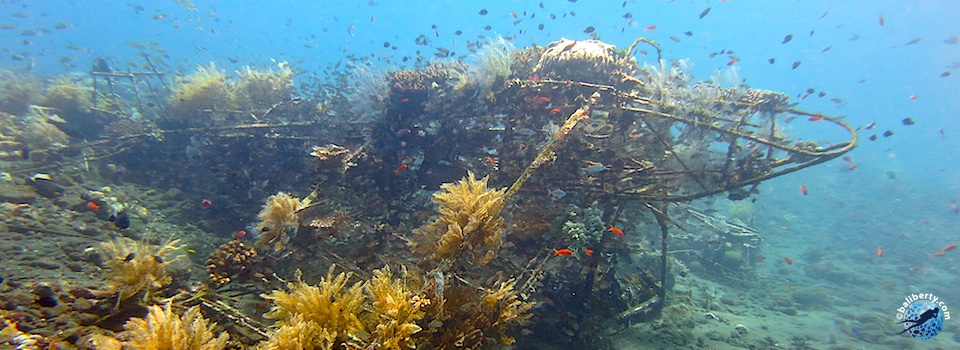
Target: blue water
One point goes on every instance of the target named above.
(897, 199)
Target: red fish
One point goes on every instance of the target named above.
(588, 251)
(206, 203)
(788, 260)
(949, 247)
(939, 253)
(491, 161)
(803, 189)
(93, 206)
(815, 118)
(240, 234)
(555, 111)
(513, 14)
(544, 99)
(400, 168)
(562, 252)
(651, 27)
(913, 97)
(732, 61)
(879, 252)
(613, 229)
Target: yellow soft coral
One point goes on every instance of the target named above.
(199, 94)
(298, 334)
(162, 329)
(469, 223)
(132, 267)
(394, 310)
(261, 89)
(332, 305)
(278, 219)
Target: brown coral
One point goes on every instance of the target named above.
(234, 261)
(163, 329)
(469, 224)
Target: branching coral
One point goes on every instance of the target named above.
(260, 90)
(133, 267)
(278, 219)
(469, 224)
(198, 94)
(163, 329)
(330, 305)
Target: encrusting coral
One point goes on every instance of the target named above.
(469, 224)
(132, 267)
(163, 329)
(278, 219)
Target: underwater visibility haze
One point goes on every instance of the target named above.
(694, 174)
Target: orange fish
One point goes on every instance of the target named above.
(588, 251)
(879, 252)
(788, 260)
(803, 189)
(545, 99)
(400, 168)
(241, 233)
(651, 27)
(555, 111)
(619, 232)
(93, 206)
(562, 252)
(491, 161)
(404, 100)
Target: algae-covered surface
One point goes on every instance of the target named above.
(447, 175)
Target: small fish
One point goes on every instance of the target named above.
(562, 252)
(491, 161)
(847, 159)
(881, 20)
(795, 65)
(826, 48)
(555, 111)
(772, 60)
(803, 189)
(675, 39)
(93, 206)
(787, 39)
(815, 118)
(121, 220)
(873, 137)
(688, 33)
(945, 74)
(589, 252)
(350, 30)
(952, 40)
(788, 260)
(544, 99)
(589, 30)
(240, 234)
(62, 26)
(870, 125)
(908, 121)
(616, 230)
(206, 204)
(914, 97)
(887, 133)
(372, 19)
(943, 134)
(705, 12)
(879, 252)
(400, 168)
(404, 100)
(914, 41)
(651, 27)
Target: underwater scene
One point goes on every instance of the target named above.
(662, 174)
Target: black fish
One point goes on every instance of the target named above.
(121, 220)
(705, 12)
(772, 60)
(914, 41)
(924, 317)
(688, 33)
(887, 133)
(787, 38)
(589, 30)
(483, 12)
(873, 137)
(796, 64)
(540, 27)
(908, 121)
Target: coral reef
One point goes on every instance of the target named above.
(469, 225)
(163, 329)
(259, 90)
(279, 221)
(199, 94)
(132, 267)
(393, 311)
(234, 261)
(577, 60)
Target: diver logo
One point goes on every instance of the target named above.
(922, 315)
